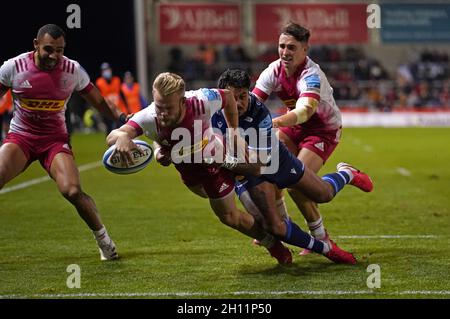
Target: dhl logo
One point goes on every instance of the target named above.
(42, 105)
(194, 148)
(290, 103)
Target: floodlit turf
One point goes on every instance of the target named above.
(172, 246)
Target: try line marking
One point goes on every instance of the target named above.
(386, 236)
(43, 179)
(234, 293)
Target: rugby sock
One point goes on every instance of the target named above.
(297, 237)
(281, 208)
(101, 235)
(317, 229)
(338, 180)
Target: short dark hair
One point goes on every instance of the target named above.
(301, 34)
(235, 78)
(51, 29)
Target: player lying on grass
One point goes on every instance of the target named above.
(179, 123)
(257, 193)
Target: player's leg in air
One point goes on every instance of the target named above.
(65, 173)
(262, 196)
(313, 151)
(307, 207)
(317, 189)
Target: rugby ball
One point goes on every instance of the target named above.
(113, 163)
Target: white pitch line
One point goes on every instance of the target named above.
(233, 293)
(386, 236)
(403, 171)
(43, 179)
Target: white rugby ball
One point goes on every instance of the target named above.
(140, 161)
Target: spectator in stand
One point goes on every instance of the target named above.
(109, 86)
(131, 90)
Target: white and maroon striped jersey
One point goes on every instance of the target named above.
(40, 97)
(200, 107)
(308, 81)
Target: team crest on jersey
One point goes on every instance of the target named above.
(212, 95)
(42, 105)
(64, 83)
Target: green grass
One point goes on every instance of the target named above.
(170, 241)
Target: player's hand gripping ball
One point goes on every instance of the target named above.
(113, 162)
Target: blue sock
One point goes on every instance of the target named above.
(337, 180)
(297, 237)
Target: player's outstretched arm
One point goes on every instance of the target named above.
(123, 139)
(230, 110)
(94, 98)
(123, 134)
(304, 109)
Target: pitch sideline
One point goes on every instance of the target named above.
(43, 179)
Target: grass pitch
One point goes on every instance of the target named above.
(172, 246)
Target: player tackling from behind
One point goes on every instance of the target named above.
(42, 82)
(175, 112)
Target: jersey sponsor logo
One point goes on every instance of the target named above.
(248, 119)
(212, 95)
(25, 85)
(197, 147)
(42, 105)
(312, 81)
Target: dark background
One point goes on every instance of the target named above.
(106, 33)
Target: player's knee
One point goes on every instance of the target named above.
(71, 192)
(325, 196)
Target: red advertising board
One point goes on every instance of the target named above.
(328, 23)
(199, 23)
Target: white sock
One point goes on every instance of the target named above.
(317, 229)
(281, 208)
(349, 172)
(326, 247)
(268, 241)
(101, 235)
